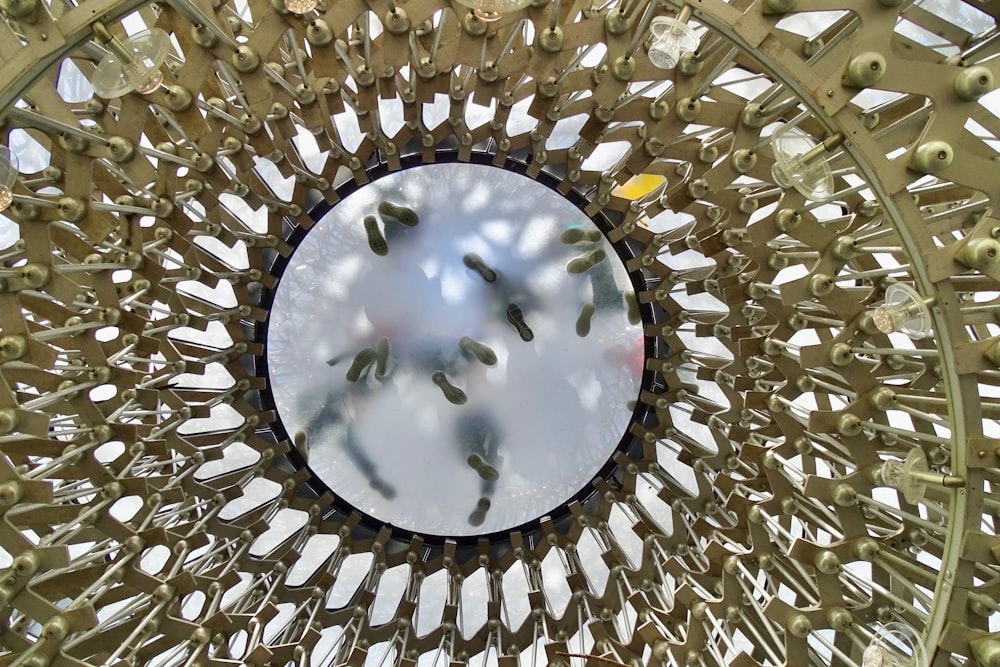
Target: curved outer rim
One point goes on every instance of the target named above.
(958, 500)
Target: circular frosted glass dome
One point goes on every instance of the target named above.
(455, 348)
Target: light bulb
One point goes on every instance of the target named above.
(903, 475)
(300, 6)
(487, 15)
(147, 83)
(132, 64)
(797, 165)
(872, 657)
(8, 176)
(671, 39)
(895, 645)
(903, 310)
(493, 10)
(912, 475)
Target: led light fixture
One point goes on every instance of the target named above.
(800, 163)
(671, 39)
(493, 10)
(8, 176)
(300, 6)
(903, 311)
(895, 644)
(132, 63)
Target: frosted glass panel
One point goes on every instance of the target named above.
(424, 399)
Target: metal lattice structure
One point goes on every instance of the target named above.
(153, 514)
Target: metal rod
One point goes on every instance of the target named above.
(31, 118)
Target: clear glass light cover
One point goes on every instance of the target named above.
(671, 39)
(900, 475)
(113, 77)
(8, 176)
(895, 645)
(814, 180)
(903, 311)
